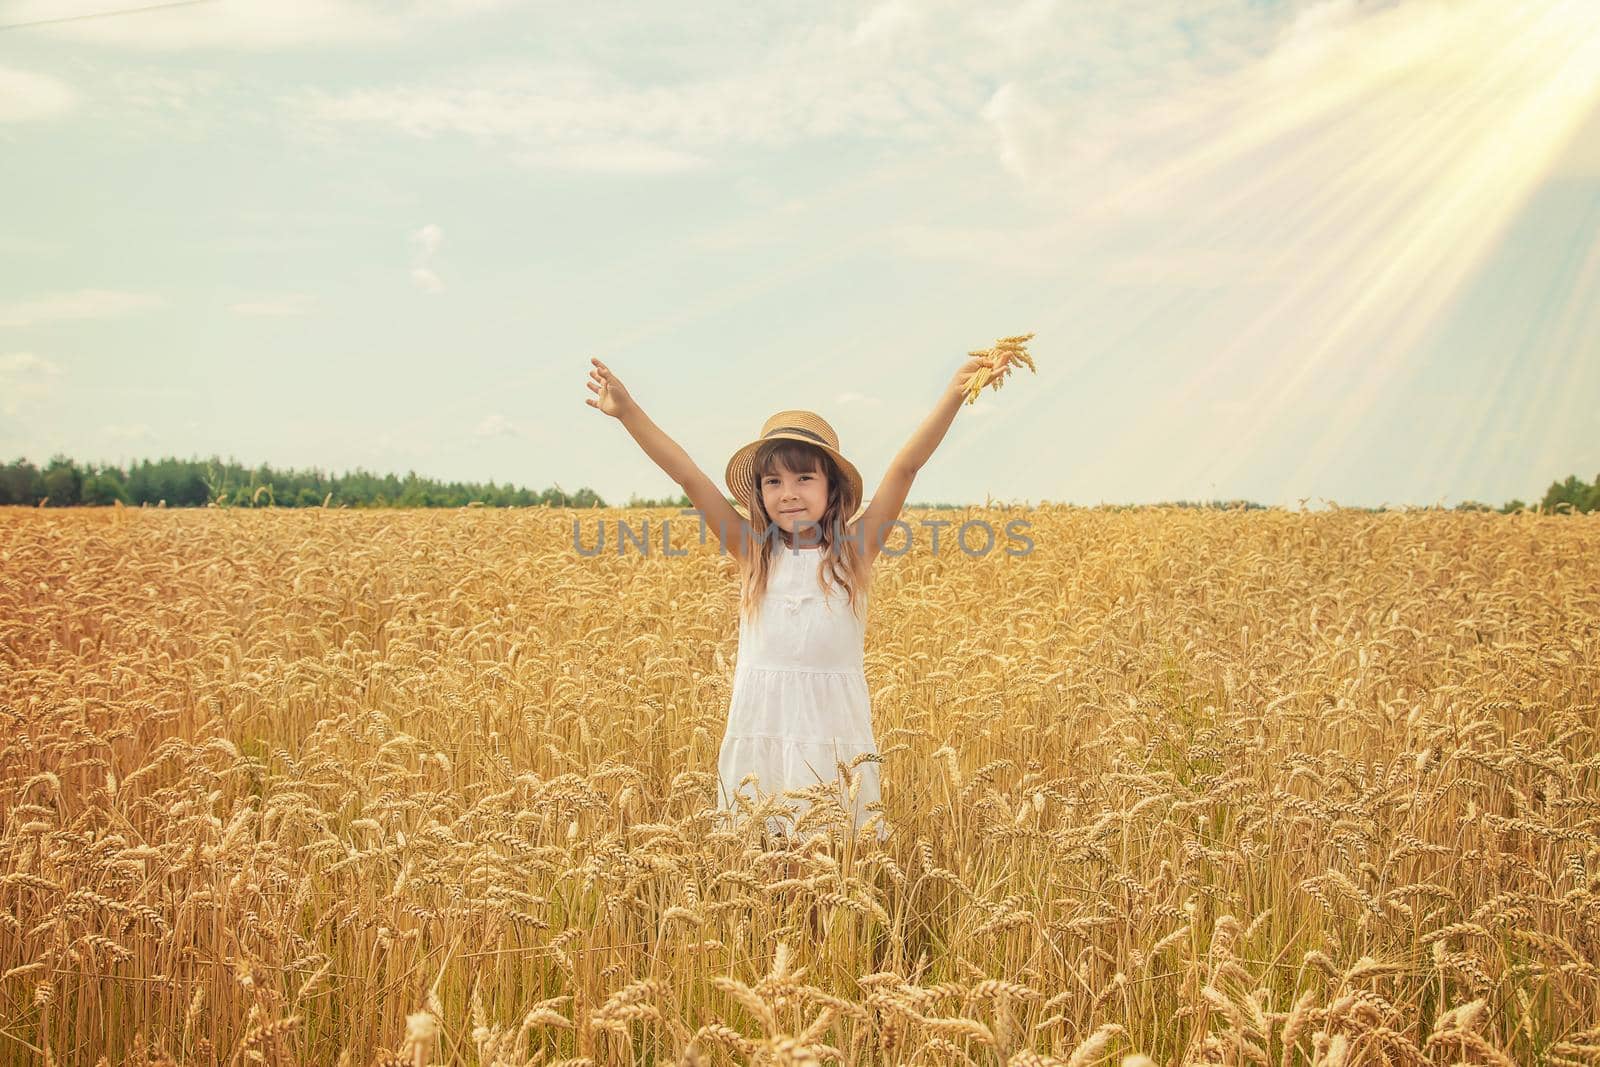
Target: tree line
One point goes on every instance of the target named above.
(179, 483)
(182, 483)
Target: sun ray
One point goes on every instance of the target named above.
(1418, 270)
(1408, 167)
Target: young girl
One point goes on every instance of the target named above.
(805, 546)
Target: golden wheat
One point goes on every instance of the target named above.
(999, 361)
(1179, 787)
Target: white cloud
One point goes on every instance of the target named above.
(171, 103)
(1015, 31)
(274, 306)
(247, 25)
(242, 24)
(1030, 135)
(495, 426)
(24, 380)
(884, 24)
(659, 92)
(82, 304)
(424, 243)
(26, 363)
(28, 97)
(426, 240)
(723, 76)
(812, 84)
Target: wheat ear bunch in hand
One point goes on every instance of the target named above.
(997, 363)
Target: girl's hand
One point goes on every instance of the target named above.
(963, 378)
(611, 396)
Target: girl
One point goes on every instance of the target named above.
(805, 545)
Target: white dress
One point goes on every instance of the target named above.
(800, 702)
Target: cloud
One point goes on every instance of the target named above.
(426, 240)
(884, 24)
(1016, 30)
(171, 103)
(1370, 67)
(24, 380)
(250, 26)
(777, 86)
(424, 243)
(26, 363)
(491, 426)
(27, 97)
(82, 304)
(560, 120)
(670, 91)
(274, 306)
(1030, 136)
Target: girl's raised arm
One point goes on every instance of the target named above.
(896, 484)
(612, 398)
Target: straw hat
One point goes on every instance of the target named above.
(805, 426)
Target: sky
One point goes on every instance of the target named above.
(1328, 251)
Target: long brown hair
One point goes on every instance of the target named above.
(841, 558)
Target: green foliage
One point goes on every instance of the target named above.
(63, 482)
(1572, 495)
(199, 483)
(21, 483)
(103, 490)
(680, 501)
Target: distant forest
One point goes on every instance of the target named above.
(180, 483)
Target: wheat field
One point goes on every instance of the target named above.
(1178, 787)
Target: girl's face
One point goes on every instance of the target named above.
(792, 498)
